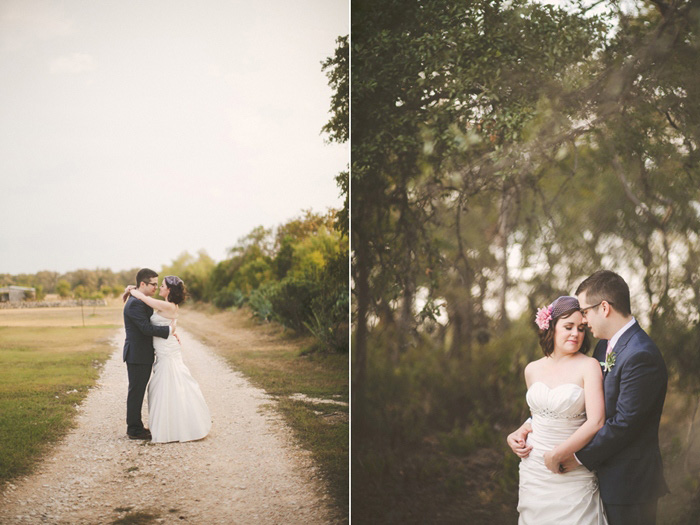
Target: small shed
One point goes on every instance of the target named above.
(16, 294)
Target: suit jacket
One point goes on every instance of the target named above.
(138, 346)
(625, 452)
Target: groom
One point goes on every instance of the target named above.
(138, 350)
(625, 452)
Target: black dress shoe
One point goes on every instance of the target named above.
(142, 434)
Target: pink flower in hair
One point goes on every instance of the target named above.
(544, 315)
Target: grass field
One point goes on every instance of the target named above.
(48, 361)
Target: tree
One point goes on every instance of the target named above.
(506, 151)
(196, 273)
(63, 288)
(432, 129)
(337, 70)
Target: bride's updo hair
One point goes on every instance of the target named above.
(547, 318)
(178, 292)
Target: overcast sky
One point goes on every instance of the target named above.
(132, 131)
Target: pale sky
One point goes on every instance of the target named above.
(131, 131)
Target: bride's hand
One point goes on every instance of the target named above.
(127, 292)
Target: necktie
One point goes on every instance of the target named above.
(609, 349)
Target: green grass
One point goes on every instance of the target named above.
(44, 373)
(284, 372)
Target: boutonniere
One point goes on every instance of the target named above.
(609, 362)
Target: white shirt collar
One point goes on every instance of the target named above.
(613, 340)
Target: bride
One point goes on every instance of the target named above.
(565, 396)
(176, 408)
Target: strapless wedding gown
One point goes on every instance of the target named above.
(548, 498)
(176, 407)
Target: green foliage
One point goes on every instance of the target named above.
(297, 275)
(461, 442)
(227, 298)
(63, 288)
(330, 325)
(259, 301)
(93, 282)
(195, 272)
(337, 69)
(460, 402)
(253, 274)
(284, 258)
(503, 153)
(292, 301)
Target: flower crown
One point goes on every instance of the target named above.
(543, 317)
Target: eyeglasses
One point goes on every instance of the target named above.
(584, 311)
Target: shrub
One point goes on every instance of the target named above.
(292, 302)
(331, 335)
(227, 298)
(259, 301)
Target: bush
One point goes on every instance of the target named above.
(329, 323)
(461, 442)
(292, 302)
(259, 301)
(227, 298)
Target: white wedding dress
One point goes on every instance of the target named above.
(176, 407)
(548, 498)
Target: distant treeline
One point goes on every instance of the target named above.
(81, 284)
(296, 274)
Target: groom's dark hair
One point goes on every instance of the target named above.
(605, 285)
(145, 275)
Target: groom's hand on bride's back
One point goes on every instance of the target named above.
(517, 441)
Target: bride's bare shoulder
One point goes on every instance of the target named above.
(533, 368)
(537, 363)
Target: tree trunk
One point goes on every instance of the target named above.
(406, 322)
(503, 234)
(691, 435)
(363, 301)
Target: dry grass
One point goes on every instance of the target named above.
(64, 316)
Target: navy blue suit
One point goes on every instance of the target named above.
(625, 452)
(139, 357)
